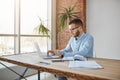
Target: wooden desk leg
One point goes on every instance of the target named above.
(38, 75)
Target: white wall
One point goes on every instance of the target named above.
(103, 22)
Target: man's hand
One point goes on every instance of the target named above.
(54, 52)
(50, 52)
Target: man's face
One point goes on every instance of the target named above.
(74, 30)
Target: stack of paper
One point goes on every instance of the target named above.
(84, 64)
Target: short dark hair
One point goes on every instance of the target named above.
(76, 21)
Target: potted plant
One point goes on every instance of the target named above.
(67, 16)
(42, 29)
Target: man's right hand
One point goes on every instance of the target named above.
(50, 52)
(54, 52)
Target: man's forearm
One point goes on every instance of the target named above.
(57, 52)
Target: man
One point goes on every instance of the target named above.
(80, 43)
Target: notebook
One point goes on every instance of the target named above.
(84, 64)
(44, 54)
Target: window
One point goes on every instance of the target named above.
(6, 27)
(18, 20)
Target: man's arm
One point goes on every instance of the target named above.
(68, 47)
(63, 51)
(87, 48)
(54, 52)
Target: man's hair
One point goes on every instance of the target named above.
(76, 21)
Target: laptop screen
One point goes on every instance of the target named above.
(43, 54)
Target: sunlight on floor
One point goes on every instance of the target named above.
(43, 76)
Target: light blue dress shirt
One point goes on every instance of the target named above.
(82, 46)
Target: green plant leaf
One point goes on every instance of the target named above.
(41, 29)
(68, 14)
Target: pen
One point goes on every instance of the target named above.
(45, 63)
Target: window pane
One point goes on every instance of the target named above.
(6, 45)
(27, 44)
(6, 16)
(31, 10)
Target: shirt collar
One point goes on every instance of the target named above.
(80, 37)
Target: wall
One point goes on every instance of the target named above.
(61, 36)
(103, 22)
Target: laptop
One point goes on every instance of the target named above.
(44, 54)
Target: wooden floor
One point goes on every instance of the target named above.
(43, 76)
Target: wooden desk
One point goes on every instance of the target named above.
(111, 69)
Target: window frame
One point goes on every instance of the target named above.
(17, 35)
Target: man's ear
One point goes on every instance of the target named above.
(81, 27)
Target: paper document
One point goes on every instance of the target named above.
(68, 58)
(84, 64)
